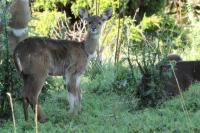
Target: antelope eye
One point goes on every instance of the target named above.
(89, 22)
(99, 23)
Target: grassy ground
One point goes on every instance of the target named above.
(110, 113)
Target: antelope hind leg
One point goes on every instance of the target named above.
(32, 87)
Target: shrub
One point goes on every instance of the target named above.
(101, 76)
(125, 82)
(147, 47)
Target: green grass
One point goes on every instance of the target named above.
(111, 113)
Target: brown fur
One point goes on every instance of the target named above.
(186, 73)
(19, 9)
(174, 57)
(20, 16)
(38, 57)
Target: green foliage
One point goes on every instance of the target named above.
(41, 5)
(3, 62)
(101, 77)
(105, 77)
(163, 28)
(92, 5)
(125, 80)
(173, 35)
(157, 6)
(52, 84)
(47, 5)
(9, 78)
(190, 100)
(44, 23)
(192, 51)
(94, 67)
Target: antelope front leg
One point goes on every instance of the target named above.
(74, 95)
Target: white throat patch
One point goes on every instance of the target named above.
(95, 36)
(19, 32)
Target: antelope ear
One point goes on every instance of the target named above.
(83, 13)
(106, 14)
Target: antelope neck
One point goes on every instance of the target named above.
(90, 43)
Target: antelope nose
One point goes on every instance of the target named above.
(94, 29)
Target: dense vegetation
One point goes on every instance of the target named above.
(138, 36)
